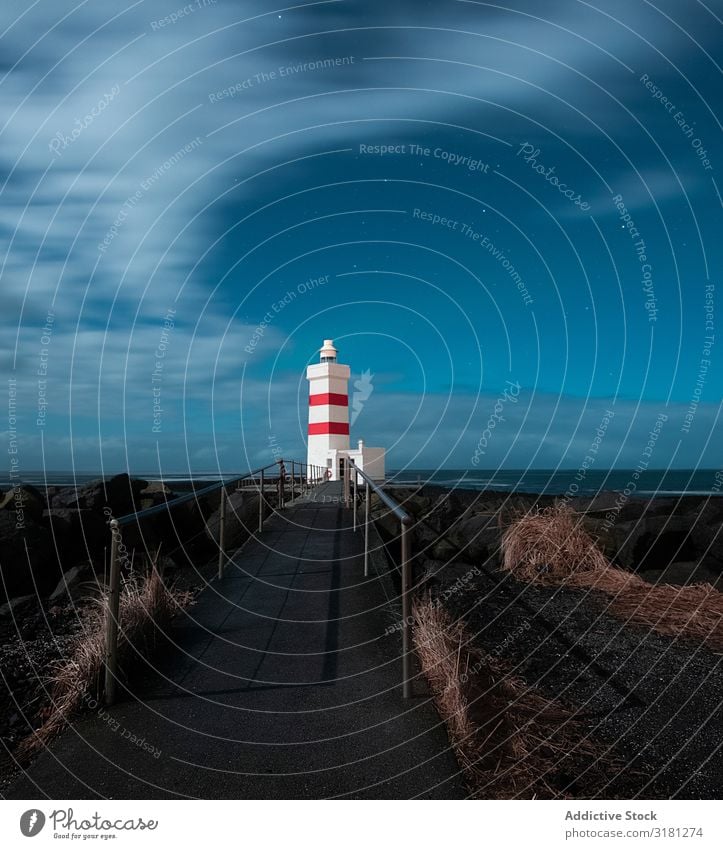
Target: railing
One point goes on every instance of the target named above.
(351, 476)
(300, 476)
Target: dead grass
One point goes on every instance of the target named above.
(510, 741)
(146, 606)
(548, 546)
(551, 546)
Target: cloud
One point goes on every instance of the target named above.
(115, 222)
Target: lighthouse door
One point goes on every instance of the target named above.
(341, 468)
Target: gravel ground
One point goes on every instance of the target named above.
(30, 646)
(656, 702)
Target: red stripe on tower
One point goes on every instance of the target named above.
(334, 398)
(319, 428)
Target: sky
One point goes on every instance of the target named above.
(507, 215)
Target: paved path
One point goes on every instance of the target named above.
(283, 685)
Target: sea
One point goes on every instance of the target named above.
(648, 484)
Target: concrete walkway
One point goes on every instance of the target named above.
(283, 684)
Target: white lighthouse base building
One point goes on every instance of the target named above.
(369, 460)
(328, 440)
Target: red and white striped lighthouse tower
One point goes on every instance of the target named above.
(329, 420)
(328, 408)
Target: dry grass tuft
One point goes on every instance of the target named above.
(146, 606)
(551, 547)
(510, 741)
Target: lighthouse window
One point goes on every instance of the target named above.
(328, 359)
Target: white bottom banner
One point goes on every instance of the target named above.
(203, 823)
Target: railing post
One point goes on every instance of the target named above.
(406, 614)
(293, 479)
(222, 533)
(345, 485)
(281, 484)
(353, 472)
(366, 532)
(111, 620)
(261, 502)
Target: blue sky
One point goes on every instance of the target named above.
(444, 173)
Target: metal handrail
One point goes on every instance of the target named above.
(405, 520)
(189, 496)
(113, 593)
(390, 502)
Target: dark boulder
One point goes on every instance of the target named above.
(683, 574)
(79, 535)
(477, 538)
(444, 550)
(242, 519)
(27, 563)
(179, 533)
(154, 494)
(121, 495)
(25, 501)
(708, 538)
(17, 605)
(71, 584)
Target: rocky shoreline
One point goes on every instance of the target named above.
(673, 540)
(54, 550)
(649, 701)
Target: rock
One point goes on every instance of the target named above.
(27, 562)
(155, 493)
(682, 574)
(383, 518)
(708, 538)
(180, 533)
(63, 535)
(121, 494)
(650, 542)
(477, 538)
(425, 537)
(242, 518)
(78, 535)
(16, 605)
(25, 500)
(158, 488)
(432, 569)
(444, 550)
(29, 630)
(68, 583)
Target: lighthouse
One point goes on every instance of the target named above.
(329, 438)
